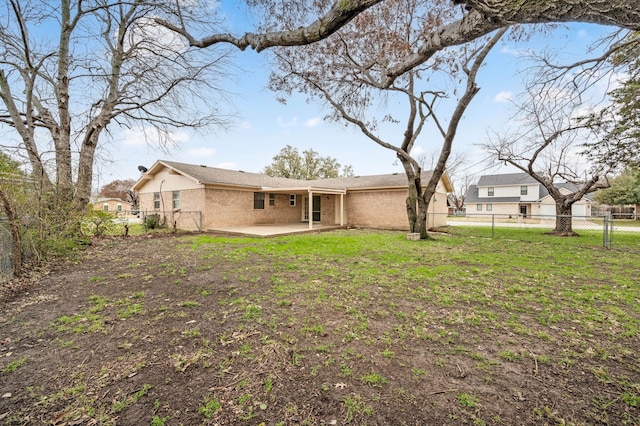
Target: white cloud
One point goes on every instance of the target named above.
(511, 51)
(313, 122)
(152, 137)
(417, 151)
(503, 97)
(201, 152)
(284, 124)
(230, 165)
(134, 138)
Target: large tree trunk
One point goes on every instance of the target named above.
(422, 218)
(563, 220)
(412, 200)
(85, 169)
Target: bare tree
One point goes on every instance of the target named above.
(99, 63)
(347, 72)
(548, 146)
(296, 23)
(461, 183)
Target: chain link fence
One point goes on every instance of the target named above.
(6, 253)
(609, 231)
(151, 220)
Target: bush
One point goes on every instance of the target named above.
(98, 223)
(152, 221)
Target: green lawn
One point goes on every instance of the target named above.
(352, 326)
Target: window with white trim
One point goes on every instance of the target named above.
(489, 207)
(156, 200)
(479, 207)
(272, 200)
(175, 197)
(292, 200)
(524, 190)
(490, 191)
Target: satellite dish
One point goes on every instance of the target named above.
(142, 169)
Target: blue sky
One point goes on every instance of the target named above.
(263, 126)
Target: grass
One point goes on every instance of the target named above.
(372, 321)
(14, 365)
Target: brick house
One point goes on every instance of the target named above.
(519, 195)
(111, 205)
(235, 198)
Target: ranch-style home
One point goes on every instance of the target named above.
(519, 195)
(198, 197)
(112, 205)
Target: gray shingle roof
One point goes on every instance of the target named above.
(372, 181)
(213, 175)
(506, 179)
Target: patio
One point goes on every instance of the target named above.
(275, 229)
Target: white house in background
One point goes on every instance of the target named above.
(519, 195)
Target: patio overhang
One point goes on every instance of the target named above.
(311, 191)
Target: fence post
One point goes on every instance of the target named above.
(607, 232)
(493, 224)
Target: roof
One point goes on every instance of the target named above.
(203, 174)
(213, 175)
(506, 179)
(513, 179)
(102, 200)
(473, 197)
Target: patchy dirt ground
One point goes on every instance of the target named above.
(153, 330)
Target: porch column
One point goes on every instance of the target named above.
(310, 209)
(342, 209)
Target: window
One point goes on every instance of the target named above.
(490, 191)
(156, 200)
(292, 200)
(489, 207)
(105, 207)
(258, 200)
(479, 207)
(175, 197)
(119, 207)
(272, 200)
(524, 189)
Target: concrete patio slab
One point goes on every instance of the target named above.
(275, 230)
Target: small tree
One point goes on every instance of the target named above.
(624, 189)
(308, 166)
(121, 189)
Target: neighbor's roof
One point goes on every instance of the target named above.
(216, 176)
(506, 179)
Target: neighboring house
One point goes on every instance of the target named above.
(236, 198)
(112, 205)
(519, 195)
